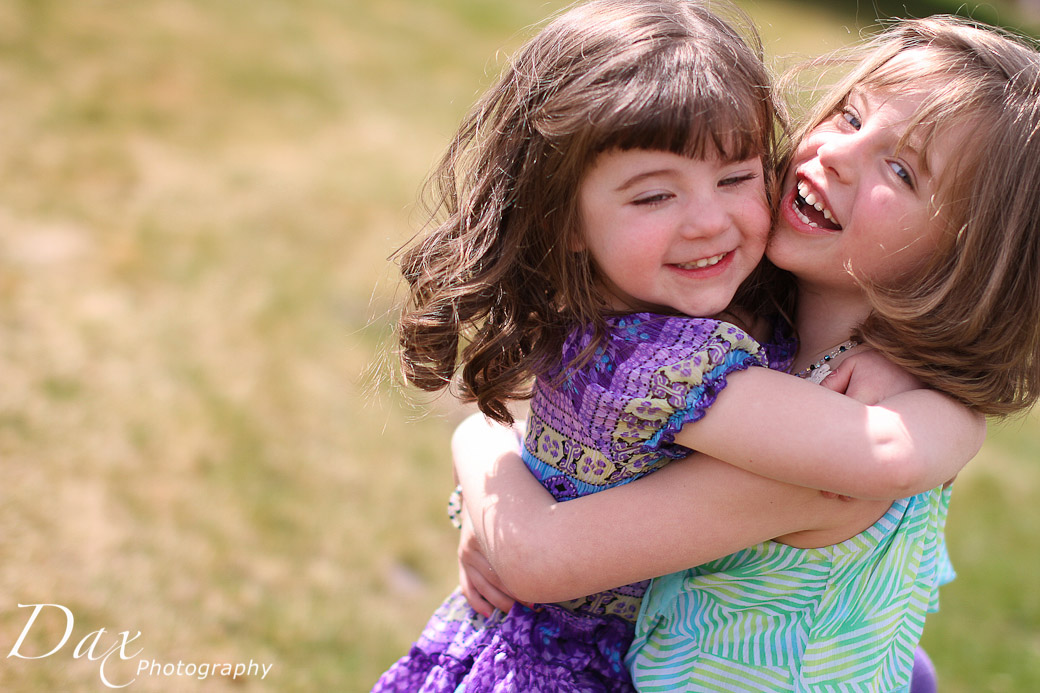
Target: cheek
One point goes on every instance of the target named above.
(914, 233)
(610, 249)
(778, 246)
(756, 224)
(897, 256)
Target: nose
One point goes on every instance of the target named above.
(840, 155)
(704, 218)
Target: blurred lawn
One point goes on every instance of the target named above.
(197, 199)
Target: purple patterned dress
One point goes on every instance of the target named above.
(606, 423)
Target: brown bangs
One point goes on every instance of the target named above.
(678, 101)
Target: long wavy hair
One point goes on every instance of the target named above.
(494, 283)
(968, 321)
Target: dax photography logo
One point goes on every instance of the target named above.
(100, 645)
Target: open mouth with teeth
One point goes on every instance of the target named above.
(703, 262)
(811, 210)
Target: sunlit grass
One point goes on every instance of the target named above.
(987, 634)
(200, 435)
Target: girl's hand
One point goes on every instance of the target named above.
(480, 585)
(869, 377)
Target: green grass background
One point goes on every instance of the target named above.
(199, 438)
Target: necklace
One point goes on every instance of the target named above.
(816, 372)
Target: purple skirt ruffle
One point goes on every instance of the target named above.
(527, 650)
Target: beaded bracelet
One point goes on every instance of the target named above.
(455, 507)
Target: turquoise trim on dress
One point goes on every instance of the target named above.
(695, 410)
(543, 471)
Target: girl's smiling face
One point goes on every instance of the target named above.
(668, 233)
(856, 203)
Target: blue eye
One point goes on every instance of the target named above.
(851, 118)
(902, 172)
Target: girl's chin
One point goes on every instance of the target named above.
(788, 251)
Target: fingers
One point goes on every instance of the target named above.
(478, 580)
(482, 595)
(472, 594)
(871, 378)
(838, 380)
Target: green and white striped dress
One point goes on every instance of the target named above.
(846, 617)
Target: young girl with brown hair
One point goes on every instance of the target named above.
(667, 109)
(910, 221)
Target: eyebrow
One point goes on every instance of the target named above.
(912, 146)
(639, 177)
(917, 154)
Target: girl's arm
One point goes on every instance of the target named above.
(788, 429)
(690, 512)
(477, 578)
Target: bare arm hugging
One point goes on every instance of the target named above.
(690, 512)
(701, 508)
(788, 429)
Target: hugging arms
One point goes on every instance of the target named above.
(520, 543)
